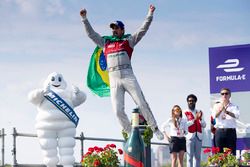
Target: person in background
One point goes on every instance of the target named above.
(195, 123)
(212, 127)
(225, 114)
(213, 130)
(174, 130)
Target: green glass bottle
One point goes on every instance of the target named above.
(134, 151)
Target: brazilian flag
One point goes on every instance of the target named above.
(97, 78)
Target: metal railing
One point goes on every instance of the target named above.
(2, 135)
(81, 138)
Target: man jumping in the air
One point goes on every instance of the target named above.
(118, 50)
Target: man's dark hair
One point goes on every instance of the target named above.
(192, 96)
(226, 89)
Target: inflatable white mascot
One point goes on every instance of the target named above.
(56, 120)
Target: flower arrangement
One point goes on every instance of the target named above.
(245, 158)
(102, 157)
(147, 135)
(216, 158)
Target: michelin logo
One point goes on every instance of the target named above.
(231, 65)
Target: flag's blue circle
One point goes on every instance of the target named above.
(102, 62)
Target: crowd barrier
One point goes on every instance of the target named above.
(80, 138)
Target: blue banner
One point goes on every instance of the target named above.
(230, 68)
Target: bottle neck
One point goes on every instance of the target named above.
(135, 119)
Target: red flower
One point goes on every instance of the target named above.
(91, 149)
(207, 150)
(224, 158)
(99, 156)
(96, 163)
(101, 149)
(112, 145)
(96, 148)
(107, 147)
(120, 151)
(88, 153)
(215, 150)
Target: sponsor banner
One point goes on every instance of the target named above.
(243, 143)
(229, 67)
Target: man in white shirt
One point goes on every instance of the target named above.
(225, 114)
(195, 123)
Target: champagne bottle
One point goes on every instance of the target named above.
(134, 151)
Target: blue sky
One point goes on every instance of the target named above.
(38, 37)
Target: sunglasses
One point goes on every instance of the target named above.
(177, 110)
(226, 93)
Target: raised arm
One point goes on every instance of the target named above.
(96, 38)
(78, 96)
(137, 36)
(36, 96)
(201, 118)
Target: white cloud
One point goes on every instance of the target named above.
(187, 40)
(54, 7)
(35, 9)
(26, 6)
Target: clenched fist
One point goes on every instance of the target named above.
(83, 13)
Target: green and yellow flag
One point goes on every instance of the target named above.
(97, 78)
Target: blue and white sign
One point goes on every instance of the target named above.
(230, 68)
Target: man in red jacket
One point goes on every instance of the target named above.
(195, 123)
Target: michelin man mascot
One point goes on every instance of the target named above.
(56, 120)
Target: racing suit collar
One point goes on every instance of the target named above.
(113, 38)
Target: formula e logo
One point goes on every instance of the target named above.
(231, 65)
